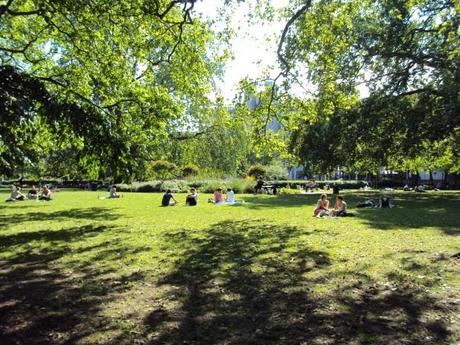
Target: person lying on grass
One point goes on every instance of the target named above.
(192, 198)
(166, 201)
(322, 206)
(46, 194)
(340, 207)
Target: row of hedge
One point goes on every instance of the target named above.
(205, 185)
(182, 186)
(209, 186)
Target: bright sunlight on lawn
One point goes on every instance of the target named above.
(79, 270)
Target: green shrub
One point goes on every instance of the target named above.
(142, 187)
(241, 185)
(176, 186)
(190, 170)
(123, 187)
(148, 187)
(289, 191)
(163, 169)
(211, 185)
(257, 170)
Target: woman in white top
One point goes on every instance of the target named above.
(192, 198)
(230, 199)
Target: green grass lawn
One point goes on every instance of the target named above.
(79, 270)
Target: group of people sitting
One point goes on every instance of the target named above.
(192, 198)
(322, 207)
(220, 200)
(33, 194)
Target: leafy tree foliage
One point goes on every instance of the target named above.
(124, 69)
(407, 55)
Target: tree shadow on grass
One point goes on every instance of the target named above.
(253, 283)
(64, 235)
(43, 303)
(415, 211)
(94, 213)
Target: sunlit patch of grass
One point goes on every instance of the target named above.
(253, 273)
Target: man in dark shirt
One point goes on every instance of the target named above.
(166, 201)
(259, 185)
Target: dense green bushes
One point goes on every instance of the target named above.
(257, 170)
(190, 170)
(163, 169)
(181, 186)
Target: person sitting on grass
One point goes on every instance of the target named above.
(19, 195)
(385, 202)
(33, 193)
(340, 207)
(322, 207)
(192, 198)
(230, 198)
(46, 194)
(113, 193)
(218, 198)
(166, 201)
(16, 194)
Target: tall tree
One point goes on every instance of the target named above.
(406, 53)
(131, 68)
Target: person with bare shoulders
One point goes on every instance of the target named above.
(16, 194)
(322, 206)
(340, 207)
(192, 198)
(46, 194)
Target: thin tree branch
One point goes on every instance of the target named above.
(65, 85)
(279, 51)
(188, 136)
(27, 46)
(285, 64)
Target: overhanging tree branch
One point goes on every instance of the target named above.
(291, 21)
(279, 52)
